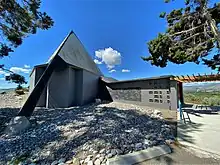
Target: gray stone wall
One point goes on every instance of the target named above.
(125, 94)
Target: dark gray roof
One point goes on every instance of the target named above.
(135, 80)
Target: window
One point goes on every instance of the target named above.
(160, 92)
(151, 100)
(150, 92)
(156, 100)
(168, 101)
(168, 92)
(155, 92)
(168, 97)
(156, 96)
(161, 96)
(161, 101)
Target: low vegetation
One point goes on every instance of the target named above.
(205, 98)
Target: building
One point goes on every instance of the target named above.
(70, 78)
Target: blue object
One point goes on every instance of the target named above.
(180, 109)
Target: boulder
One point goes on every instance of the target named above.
(17, 125)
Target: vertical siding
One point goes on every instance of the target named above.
(90, 86)
(32, 81)
(57, 89)
(42, 100)
(79, 86)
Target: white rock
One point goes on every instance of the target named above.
(16, 125)
(102, 151)
(157, 112)
(97, 162)
(81, 161)
(138, 145)
(54, 162)
(97, 156)
(61, 160)
(109, 155)
(90, 163)
(101, 158)
(113, 152)
(76, 161)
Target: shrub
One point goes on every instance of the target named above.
(211, 101)
(205, 101)
(19, 91)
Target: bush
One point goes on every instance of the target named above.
(19, 91)
(211, 101)
(205, 101)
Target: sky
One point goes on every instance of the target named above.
(114, 32)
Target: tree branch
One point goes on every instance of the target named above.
(185, 31)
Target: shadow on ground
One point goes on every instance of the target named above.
(61, 132)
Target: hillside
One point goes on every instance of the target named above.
(205, 87)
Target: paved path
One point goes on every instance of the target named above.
(180, 156)
(202, 133)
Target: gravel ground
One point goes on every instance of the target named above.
(88, 134)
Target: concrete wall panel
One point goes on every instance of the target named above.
(156, 93)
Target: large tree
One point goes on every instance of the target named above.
(192, 35)
(18, 19)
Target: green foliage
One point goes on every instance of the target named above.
(16, 78)
(162, 14)
(189, 37)
(19, 18)
(204, 98)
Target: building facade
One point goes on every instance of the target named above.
(79, 81)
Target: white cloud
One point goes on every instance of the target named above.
(97, 61)
(125, 70)
(109, 56)
(113, 70)
(19, 70)
(2, 72)
(27, 66)
(2, 78)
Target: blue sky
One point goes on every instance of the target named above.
(125, 26)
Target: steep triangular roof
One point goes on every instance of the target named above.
(72, 51)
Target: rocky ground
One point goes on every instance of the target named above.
(80, 135)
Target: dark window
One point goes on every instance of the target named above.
(168, 101)
(151, 100)
(161, 96)
(150, 83)
(168, 92)
(155, 92)
(160, 92)
(156, 96)
(156, 100)
(150, 92)
(161, 101)
(168, 97)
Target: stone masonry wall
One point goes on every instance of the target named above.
(125, 94)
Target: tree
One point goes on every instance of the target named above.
(19, 19)
(191, 36)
